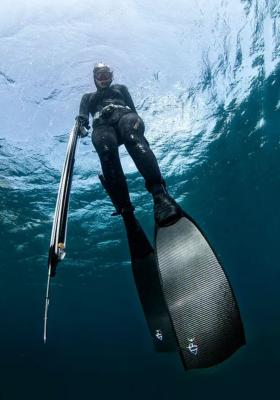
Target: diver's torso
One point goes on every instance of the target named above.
(102, 98)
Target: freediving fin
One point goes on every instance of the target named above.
(200, 300)
(144, 267)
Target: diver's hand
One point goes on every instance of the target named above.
(83, 126)
(82, 121)
(83, 132)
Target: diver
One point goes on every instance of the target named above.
(116, 122)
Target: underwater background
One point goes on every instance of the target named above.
(205, 77)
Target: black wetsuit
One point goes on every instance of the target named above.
(121, 125)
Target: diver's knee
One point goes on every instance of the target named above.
(104, 139)
(106, 153)
(135, 144)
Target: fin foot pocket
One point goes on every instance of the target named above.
(166, 210)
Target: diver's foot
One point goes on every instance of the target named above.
(166, 210)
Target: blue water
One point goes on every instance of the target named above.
(206, 80)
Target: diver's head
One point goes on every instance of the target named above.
(102, 75)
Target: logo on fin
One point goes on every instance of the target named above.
(159, 334)
(192, 347)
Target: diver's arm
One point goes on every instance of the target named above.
(83, 117)
(128, 99)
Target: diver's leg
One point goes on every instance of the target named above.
(131, 128)
(105, 142)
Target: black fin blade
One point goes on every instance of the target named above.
(153, 303)
(146, 276)
(201, 303)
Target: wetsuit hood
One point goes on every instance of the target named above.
(102, 75)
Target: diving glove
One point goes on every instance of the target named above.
(83, 125)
